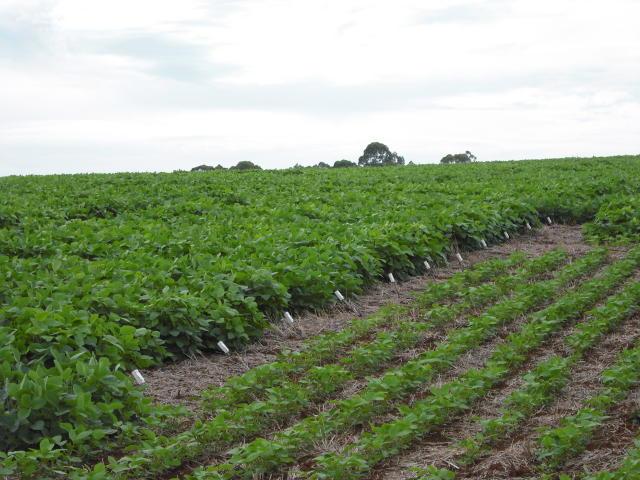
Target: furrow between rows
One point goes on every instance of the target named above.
(457, 396)
(326, 347)
(538, 388)
(292, 397)
(379, 395)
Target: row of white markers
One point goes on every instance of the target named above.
(139, 379)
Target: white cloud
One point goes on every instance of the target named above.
(114, 15)
(106, 86)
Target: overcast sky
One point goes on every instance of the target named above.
(151, 85)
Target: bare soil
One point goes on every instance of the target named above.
(610, 444)
(515, 457)
(441, 448)
(181, 382)
(437, 446)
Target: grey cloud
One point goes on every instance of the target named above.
(16, 43)
(49, 156)
(23, 37)
(158, 55)
(322, 99)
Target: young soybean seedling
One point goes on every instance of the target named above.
(137, 377)
(288, 317)
(223, 347)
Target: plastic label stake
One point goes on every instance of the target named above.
(484, 243)
(223, 347)
(459, 257)
(549, 220)
(288, 317)
(137, 377)
(506, 235)
(426, 265)
(391, 278)
(338, 295)
(528, 226)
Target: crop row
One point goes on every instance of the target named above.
(102, 274)
(544, 381)
(629, 470)
(288, 396)
(188, 303)
(558, 444)
(71, 326)
(378, 395)
(291, 397)
(618, 219)
(316, 350)
(319, 349)
(185, 260)
(458, 395)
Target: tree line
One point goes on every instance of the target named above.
(376, 154)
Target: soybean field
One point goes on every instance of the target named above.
(415, 322)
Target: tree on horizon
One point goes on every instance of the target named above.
(377, 154)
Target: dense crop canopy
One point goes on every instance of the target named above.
(102, 274)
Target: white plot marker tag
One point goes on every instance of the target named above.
(484, 243)
(528, 226)
(426, 265)
(338, 295)
(391, 277)
(137, 376)
(549, 220)
(506, 235)
(459, 257)
(288, 317)
(223, 347)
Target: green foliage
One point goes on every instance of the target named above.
(457, 396)
(433, 473)
(344, 164)
(542, 383)
(558, 444)
(100, 274)
(629, 470)
(381, 392)
(466, 157)
(317, 350)
(246, 165)
(276, 396)
(377, 154)
(617, 220)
